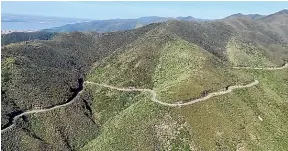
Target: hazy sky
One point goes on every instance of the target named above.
(109, 10)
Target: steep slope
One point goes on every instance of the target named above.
(47, 73)
(276, 18)
(211, 36)
(59, 129)
(278, 22)
(42, 74)
(176, 69)
(222, 38)
(255, 44)
(243, 53)
(180, 70)
(184, 70)
(249, 119)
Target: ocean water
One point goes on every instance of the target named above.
(29, 25)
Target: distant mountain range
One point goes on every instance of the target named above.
(112, 25)
(128, 24)
(116, 24)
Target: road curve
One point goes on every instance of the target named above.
(153, 93)
(39, 111)
(268, 68)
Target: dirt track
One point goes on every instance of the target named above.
(269, 68)
(39, 111)
(153, 93)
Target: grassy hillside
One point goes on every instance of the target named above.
(249, 119)
(131, 129)
(255, 43)
(185, 71)
(245, 54)
(180, 70)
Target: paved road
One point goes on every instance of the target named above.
(154, 98)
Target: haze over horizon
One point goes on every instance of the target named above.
(123, 10)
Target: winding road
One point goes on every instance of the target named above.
(39, 111)
(152, 92)
(269, 68)
(154, 99)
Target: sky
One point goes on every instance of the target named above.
(125, 10)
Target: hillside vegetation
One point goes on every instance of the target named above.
(16, 37)
(42, 74)
(179, 60)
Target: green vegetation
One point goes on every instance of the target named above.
(180, 60)
(133, 66)
(186, 71)
(175, 59)
(251, 119)
(129, 129)
(244, 55)
(71, 134)
(60, 129)
(112, 102)
(7, 69)
(8, 72)
(16, 37)
(241, 54)
(140, 127)
(47, 71)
